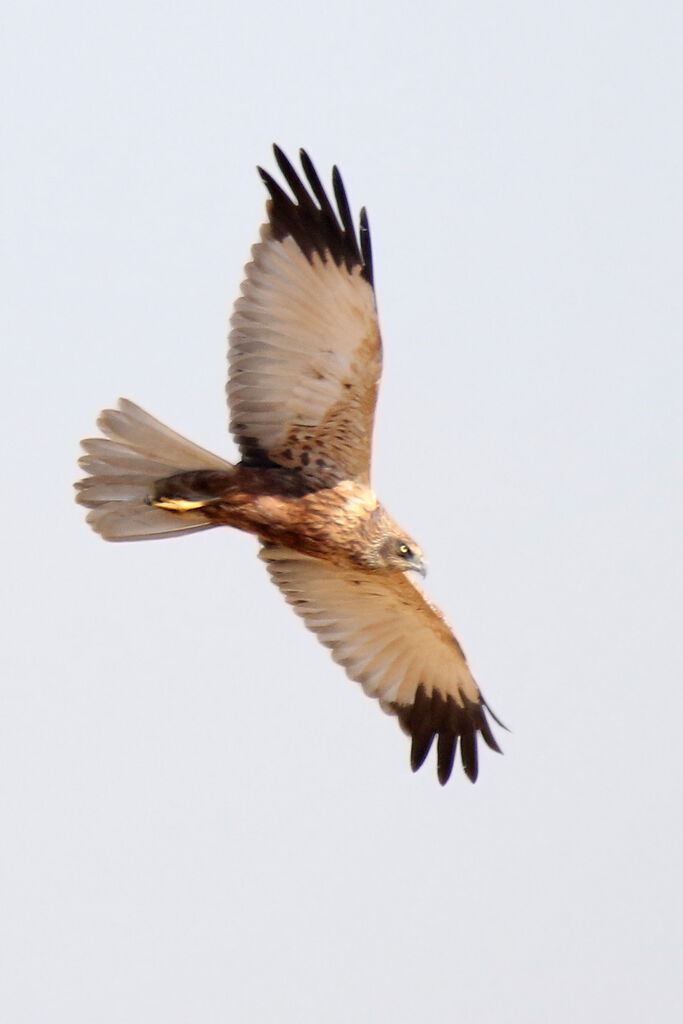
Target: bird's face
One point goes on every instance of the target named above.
(402, 554)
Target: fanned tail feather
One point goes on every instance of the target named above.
(124, 466)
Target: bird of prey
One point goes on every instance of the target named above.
(304, 366)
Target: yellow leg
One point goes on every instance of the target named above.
(178, 504)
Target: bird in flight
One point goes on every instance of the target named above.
(305, 359)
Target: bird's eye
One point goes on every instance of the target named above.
(404, 550)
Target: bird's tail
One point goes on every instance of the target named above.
(125, 468)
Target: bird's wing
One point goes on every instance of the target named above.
(395, 643)
(305, 351)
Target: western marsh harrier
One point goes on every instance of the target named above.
(305, 360)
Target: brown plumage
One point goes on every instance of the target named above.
(305, 361)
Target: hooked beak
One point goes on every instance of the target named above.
(418, 564)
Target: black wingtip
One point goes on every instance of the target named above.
(419, 749)
(468, 754)
(495, 717)
(345, 212)
(366, 244)
(452, 722)
(279, 155)
(316, 228)
(445, 755)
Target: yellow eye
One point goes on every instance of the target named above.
(403, 549)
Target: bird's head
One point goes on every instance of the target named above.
(402, 554)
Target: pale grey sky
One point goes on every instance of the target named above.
(203, 819)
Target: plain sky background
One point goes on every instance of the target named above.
(202, 818)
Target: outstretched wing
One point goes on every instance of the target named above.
(305, 352)
(397, 645)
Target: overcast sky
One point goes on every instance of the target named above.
(202, 818)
